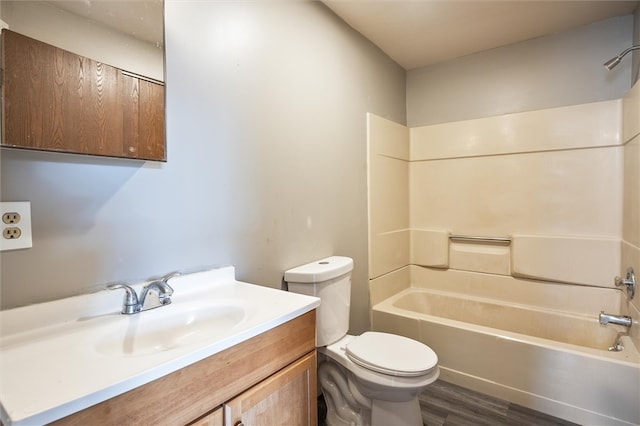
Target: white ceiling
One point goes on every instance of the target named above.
(414, 33)
(417, 33)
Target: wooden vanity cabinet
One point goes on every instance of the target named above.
(215, 418)
(55, 100)
(284, 399)
(269, 379)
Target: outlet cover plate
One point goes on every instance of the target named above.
(23, 208)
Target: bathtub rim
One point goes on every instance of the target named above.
(534, 401)
(551, 404)
(630, 352)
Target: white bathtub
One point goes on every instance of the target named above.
(536, 344)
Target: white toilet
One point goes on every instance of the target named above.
(371, 379)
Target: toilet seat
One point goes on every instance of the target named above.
(391, 354)
(394, 386)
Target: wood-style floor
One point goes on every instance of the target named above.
(444, 404)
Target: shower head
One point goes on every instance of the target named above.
(611, 63)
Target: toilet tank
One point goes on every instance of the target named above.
(330, 280)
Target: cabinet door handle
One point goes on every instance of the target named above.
(239, 423)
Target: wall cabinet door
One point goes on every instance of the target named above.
(142, 116)
(54, 100)
(286, 398)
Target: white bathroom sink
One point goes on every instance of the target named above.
(60, 357)
(171, 327)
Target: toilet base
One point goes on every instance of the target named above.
(348, 406)
(384, 413)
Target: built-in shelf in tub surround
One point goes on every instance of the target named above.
(570, 259)
(63, 356)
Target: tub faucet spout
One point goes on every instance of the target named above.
(623, 320)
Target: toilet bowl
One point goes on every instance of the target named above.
(371, 379)
(384, 380)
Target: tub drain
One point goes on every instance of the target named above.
(617, 347)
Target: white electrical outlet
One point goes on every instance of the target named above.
(15, 225)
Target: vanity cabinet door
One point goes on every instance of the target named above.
(286, 398)
(214, 418)
(54, 100)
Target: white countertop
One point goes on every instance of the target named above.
(52, 356)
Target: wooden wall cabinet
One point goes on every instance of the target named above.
(268, 380)
(54, 100)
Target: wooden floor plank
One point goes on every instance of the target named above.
(446, 404)
(461, 407)
(527, 417)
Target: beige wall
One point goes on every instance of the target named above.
(550, 181)
(631, 191)
(562, 185)
(266, 161)
(388, 172)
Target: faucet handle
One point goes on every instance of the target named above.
(629, 281)
(171, 275)
(169, 289)
(130, 302)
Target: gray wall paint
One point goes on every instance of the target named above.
(636, 40)
(546, 72)
(266, 161)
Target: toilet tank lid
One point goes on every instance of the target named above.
(320, 270)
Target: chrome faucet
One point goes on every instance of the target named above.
(629, 281)
(163, 291)
(132, 304)
(623, 320)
